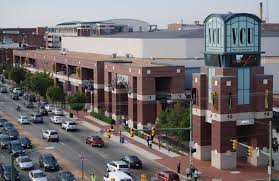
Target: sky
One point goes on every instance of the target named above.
(35, 13)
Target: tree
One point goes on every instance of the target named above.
(16, 74)
(176, 117)
(55, 94)
(76, 101)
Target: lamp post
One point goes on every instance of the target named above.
(13, 158)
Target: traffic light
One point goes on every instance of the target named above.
(132, 132)
(250, 151)
(234, 144)
(108, 133)
(153, 132)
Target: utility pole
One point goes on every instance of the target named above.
(191, 139)
(270, 151)
(12, 167)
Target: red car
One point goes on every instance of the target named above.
(94, 141)
(167, 176)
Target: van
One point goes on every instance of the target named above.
(118, 176)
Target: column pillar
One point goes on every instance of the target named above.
(98, 86)
(107, 93)
(132, 102)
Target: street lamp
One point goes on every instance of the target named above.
(13, 158)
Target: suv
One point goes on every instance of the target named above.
(36, 118)
(4, 141)
(14, 96)
(18, 91)
(15, 148)
(23, 120)
(118, 165)
(48, 162)
(50, 135)
(69, 125)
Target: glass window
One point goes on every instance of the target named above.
(243, 86)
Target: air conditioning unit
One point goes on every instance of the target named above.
(114, 55)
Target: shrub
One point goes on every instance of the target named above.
(101, 116)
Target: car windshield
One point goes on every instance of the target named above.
(16, 146)
(50, 159)
(25, 159)
(39, 175)
(134, 158)
(7, 169)
(66, 174)
(125, 179)
(8, 125)
(24, 140)
(72, 124)
(24, 117)
(53, 133)
(58, 109)
(5, 139)
(123, 166)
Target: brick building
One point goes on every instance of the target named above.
(131, 88)
(233, 94)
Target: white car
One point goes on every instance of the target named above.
(23, 120)
(17, 90)
(24, 162)
(118, 165)
(50, 135)
(117, 176)
(58, 112)
(69, 125)
(37, 175)
(56, 119)
(49, 107)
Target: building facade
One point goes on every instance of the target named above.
(233, 94)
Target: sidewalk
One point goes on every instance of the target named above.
(167, 159)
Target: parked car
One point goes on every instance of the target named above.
(5, 172)
(56, 119)
(57, 112)
(133, 161)
(167, 176)
(24, 163)
(15, 148)
(28, 104)
(4, 140)
(2, 121)
(23, 120)
(48, 162)
(94, 141)
(42, 104)
(13, 134)
(64, 175)
(25, 142)
(117, 176)
(43, 111)
(14, 97)
(118, 165)
(69, 125)
(49, 107)
(7, 125)
(37, 175)
(50, 135)
(18, 91)
(3, 90)
(25, 95)
(36, 118)
(31, 98)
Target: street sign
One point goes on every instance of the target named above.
(269, 170)
(257, 151)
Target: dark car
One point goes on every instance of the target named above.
(48, 162)
(7, 125)
(15, 148)
(31, 98)
(167, 176)
(4, 141)
(65, 176)
(25, 142)
(42, 104)
(28, 104)
(14, 97)
(13, 133)
(5, 172)
(36, 118)
(3, 90)
(94, 141)
(2, 121)
(133, 161)
(43, 111)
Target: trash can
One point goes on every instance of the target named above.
(122, 139)
(71, 115)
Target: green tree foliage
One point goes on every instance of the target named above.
(177, 116)
(76, 101)
(55, 94)
(38, 83)
(17, 74)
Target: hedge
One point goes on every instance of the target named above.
(102, 117)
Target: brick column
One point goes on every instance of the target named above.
(201, 129)
(98, 86)
(177, 86)
(132, 102)
(146, 102)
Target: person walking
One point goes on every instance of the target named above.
(178, 167)
(147, 140)
(93, 177)
(150, 143)
(196, 174)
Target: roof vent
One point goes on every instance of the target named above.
(128, 55)
(114, 55)
(63, 51)
(152, 58)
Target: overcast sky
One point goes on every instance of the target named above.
(31, 13)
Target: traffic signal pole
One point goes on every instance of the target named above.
(270, 152)
(191, 136)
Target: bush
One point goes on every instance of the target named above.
(101, 116)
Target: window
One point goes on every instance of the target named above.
(211, 73)
(243, 86)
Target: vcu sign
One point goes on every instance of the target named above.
(232, 33)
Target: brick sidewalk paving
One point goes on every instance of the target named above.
(243, 172)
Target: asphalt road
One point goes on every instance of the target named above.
(71, 146)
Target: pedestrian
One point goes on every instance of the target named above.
(196, 175)
(93, 177)
(147, 140)
(178, 167)
(150, 143)
(189, 172)
(159, 142)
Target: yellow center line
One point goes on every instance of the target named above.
(40, 144)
